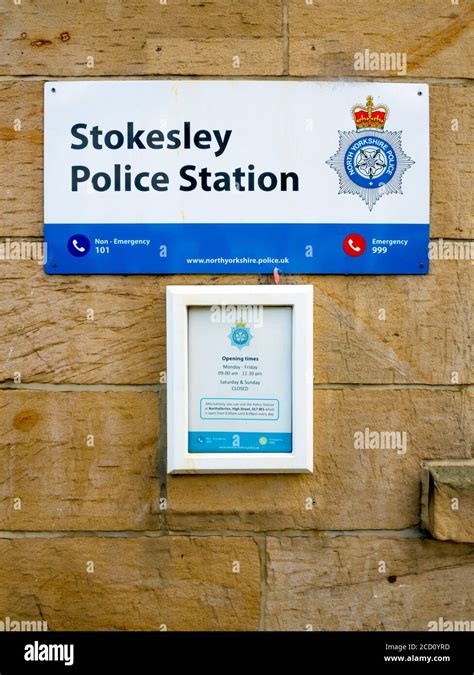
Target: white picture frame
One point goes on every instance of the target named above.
(300, 299)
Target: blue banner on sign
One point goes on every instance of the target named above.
(237, 248)
(235, 441)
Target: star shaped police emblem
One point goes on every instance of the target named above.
(370, 162)
(240, 335)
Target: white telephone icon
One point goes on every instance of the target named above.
(353, 246)
(81, 249)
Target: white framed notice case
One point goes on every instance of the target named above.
(240, 379)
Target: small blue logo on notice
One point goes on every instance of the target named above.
(78, 245)
(240, 335)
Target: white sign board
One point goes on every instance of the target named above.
(237, 176)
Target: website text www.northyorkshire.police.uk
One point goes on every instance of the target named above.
(242, 260)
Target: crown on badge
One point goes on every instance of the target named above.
(240, 324)
(368, 117)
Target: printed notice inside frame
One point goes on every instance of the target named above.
(240, 394)
(240, 379)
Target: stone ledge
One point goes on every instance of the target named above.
(447, 499)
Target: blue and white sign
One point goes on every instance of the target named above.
(163, 177)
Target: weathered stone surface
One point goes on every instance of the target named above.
(231, 57)
(139, 583)
(391, 329)
(436, 36)
(451, 134)
(47, 337)
(21, 158)
(352, 487)
(64, 484)
(340, 583)
(142, 37)
(448, 499)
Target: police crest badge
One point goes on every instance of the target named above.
(370, 161)
(240, 335)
